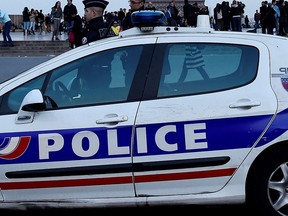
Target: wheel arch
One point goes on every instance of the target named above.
(275, 149)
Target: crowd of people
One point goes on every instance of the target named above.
(97, 23)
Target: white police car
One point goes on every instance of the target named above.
(169, 115)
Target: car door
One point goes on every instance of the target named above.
(78, 143)
(209, 106)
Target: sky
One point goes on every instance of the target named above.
(16, 7)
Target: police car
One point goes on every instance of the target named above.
(158, 115)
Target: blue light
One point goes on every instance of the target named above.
(148, 18)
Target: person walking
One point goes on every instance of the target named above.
(95, 28)
(7, 23)
(56, 13)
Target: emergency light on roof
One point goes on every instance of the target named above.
(148, 19)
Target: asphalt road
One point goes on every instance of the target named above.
(183, 210)
(11, 66)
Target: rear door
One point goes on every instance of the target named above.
(212, 102)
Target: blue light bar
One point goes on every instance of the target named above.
(148, 18)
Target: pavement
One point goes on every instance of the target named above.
(11, 66)
(19, 36)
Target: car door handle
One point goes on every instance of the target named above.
(245, 103)
(112, 119)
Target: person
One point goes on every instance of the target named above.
(173, 11)
(247, 23)
(121, 16)
(6, 20)
(116, 28)
(263, 16)
(270, 19)
(48, 22)
(95, 28)
(282, 18)
(74, 35)
(277, 14)
(69, 12)
(187, 13)
(218, 17)
(257, 19)
(32, 21)
(56, 13)
(26, 20)
(135, 5)
(40, 21)
(236, 11)
(150, 6)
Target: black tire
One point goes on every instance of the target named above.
(267, 191)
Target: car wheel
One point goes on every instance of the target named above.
(268, 187)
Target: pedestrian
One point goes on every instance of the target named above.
(263, 16)
(236, 11)
(172, 10)
(56, 13)
(188, 13)
(116, 28)
(95, 28)
(48, 22)
(74, 36)
(41, 21)
(70, 11)
(135, 5)
(150, 6)
(7, 23)
(26, 20)
(32, 19)
(257, 19)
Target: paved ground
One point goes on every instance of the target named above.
(19, 36)
(184, 210)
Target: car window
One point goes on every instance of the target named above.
(104, 77)
(204, 68)
(11, 101)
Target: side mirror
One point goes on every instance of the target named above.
(32, 102)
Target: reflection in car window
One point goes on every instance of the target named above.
(104, 77)
(203, 68)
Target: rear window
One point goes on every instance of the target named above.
(204, 68)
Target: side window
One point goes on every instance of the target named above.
(204, 68)
(100, 78)
(11, 101)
